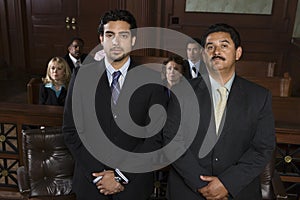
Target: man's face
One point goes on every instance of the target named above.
(117, 40)
(220, 53)
(75, 49)
(193, 52)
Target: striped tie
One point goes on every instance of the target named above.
(115, 86)
(219, 110)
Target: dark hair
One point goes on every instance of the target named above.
(115, 15)
(220, 27)
(75, 38)
(193, 41)
(175, 58)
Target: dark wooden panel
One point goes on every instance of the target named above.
(88, 18)
(287, 111)
(293, 63)
(47, 30)
(264, 37)
(49, 33)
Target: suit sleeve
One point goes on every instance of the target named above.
(252, 162)
(186, 165)
(88, 164)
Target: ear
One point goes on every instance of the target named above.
(101, 39)
(238, 53)
(133, 41)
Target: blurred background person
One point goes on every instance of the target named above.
(172, 70)
(192, 64)
(53, 91)
(75, 56)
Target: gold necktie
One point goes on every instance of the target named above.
(219, 110)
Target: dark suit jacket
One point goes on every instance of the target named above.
(141, 185)
(240, 154)
(70, 63)
(48, 97)
(186, 69)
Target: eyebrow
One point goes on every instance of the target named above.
(226, 41)
(121, 32)
(109, 32)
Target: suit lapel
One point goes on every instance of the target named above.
(236, 105)
(104, 88)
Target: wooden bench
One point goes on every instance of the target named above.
(279, 86)
(33, 89)
(250, 68)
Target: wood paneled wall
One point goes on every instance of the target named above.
(12, 33)
(264, 37)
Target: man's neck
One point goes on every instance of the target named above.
(222, 77)
(194, 61)
(118, 64)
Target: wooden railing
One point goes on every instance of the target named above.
(14, 118)
(287, 122)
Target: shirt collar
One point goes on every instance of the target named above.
(111, 70)
(50, 85)
(215, 85)
(74, 60)
(197, 64)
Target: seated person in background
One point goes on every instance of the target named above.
(75, 57)
(172, 70)
(53, 91)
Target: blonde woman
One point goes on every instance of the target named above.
(53, 91)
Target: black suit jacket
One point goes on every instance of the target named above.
(70, 63)
(141, 185)
(242, 150)
(48, 97)
(187, 72)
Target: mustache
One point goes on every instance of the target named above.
(116, 48)
(218, 57)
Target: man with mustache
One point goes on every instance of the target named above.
(94, 179)
(227, 156)
(75, 56)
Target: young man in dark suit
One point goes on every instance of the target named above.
(75, 57)
(117, 33)
(192, 66)
(236, 134)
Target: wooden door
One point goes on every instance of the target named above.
(88, 18)
(48, 30)
(52, 23)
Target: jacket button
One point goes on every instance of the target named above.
(216, 159)
(115, 116)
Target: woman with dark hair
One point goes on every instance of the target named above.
(172, 70)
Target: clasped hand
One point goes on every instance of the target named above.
(215, 190)
(108, 185)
